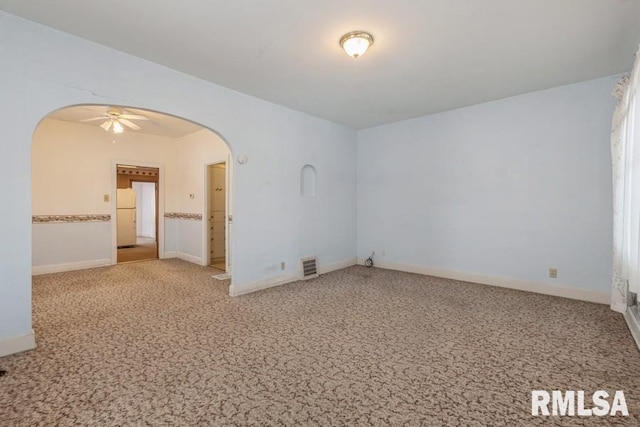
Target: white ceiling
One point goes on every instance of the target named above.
(428, 56)
(158, 124)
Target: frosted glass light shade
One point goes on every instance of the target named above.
(117, 127)
(356, 43)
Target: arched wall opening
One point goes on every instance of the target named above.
(74, 185)
(45, 70)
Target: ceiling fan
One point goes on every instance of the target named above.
(115, 118)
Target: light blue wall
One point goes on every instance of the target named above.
(43, 70)
(505, 189)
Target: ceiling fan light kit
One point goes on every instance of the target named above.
(116, 119)
(356, 43)
(117, 127)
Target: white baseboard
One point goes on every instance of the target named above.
(328, 268)
(169, 254)
(259, 285)
(37, 270)
(191, 258)
(17, 344)
(620, 307)
(634, 325)
(287, 278)
(502, 282)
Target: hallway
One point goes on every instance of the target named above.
(144, 249)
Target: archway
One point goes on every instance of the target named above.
(75, 159)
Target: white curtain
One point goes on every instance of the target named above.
(625, 156)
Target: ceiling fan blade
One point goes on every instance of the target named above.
(92, 119)
(133, 117)
(106, 125)
(129, 124)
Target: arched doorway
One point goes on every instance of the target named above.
(77, 155)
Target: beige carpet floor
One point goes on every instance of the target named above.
(161, 343)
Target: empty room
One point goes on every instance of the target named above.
(320, 213)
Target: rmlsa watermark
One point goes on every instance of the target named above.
(572, 403)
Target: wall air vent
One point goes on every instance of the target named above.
(309, 267)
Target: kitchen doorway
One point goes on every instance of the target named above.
(137, 213)
(217, 215)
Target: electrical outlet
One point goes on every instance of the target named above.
(384, 252)
(282, 265)
(553, 273)
(106, 198)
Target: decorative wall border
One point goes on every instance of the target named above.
(180, 215)
(45, 219)
(137, 170)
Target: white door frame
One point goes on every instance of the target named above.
(206, 240)
(114, 206)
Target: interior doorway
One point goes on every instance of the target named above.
(217, 215)
(137, 213)
(75, 188)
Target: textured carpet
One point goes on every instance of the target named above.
(161, 343)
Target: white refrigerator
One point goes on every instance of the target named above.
(126, 207)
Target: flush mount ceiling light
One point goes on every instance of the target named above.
(356, 43)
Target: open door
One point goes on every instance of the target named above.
(217, 214)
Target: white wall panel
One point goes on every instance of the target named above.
(504, 189)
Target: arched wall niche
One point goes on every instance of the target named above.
(308, 181)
